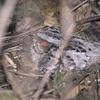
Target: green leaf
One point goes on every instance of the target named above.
(7, 95)
(58, 79)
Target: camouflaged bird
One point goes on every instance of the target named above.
(79, 54)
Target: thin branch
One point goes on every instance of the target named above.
(4, 85)
(23, 33)
(95, 9)
(25, 74)
(75, 8)
(10, 61)
(92, 78)
(5, 15)
(67, 26)
(91, 19)
(67, 90)
(12, 81)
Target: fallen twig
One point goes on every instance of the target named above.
(95, 9)
(23, 33)
(67, 26)
(10, 61)
(92, 78)
(49, 91)
(91, 19)
(73, 85)
(5, 15)
(12, 81)
(4, 85)
(25, 74)
(75, 8)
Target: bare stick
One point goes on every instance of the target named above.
(10, 61)
(79, 5)
(92, 78)
(68, 89)
(67, 26)
(25, 74)
(91, 19)
(12, 81)
(24, 33)
(5, 15)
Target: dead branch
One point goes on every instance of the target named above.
(4, 85)
(75, 8)
(67, 26)
(73, 85)
(92, 78)
(5, 15)
(91, 19)
(95, 9)
(23, 33)
(12, 81)
(25, 74)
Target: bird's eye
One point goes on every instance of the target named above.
(44, 43)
